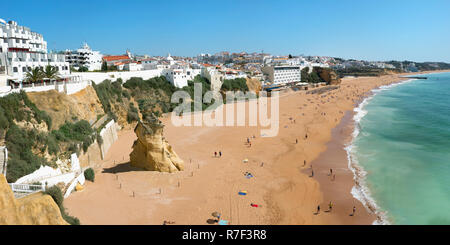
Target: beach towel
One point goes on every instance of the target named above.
(245, 160)
(242, 193)
(254, 205)
(223, 222)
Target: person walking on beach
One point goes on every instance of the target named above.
(306, 136)
(215, 154)
(304, 163)
(220, 153)
(296, 141)
(312, 173)
(318, 209)
(330, 206)
(354, 210)
(331, 171)
(248, 140)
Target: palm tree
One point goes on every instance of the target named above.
(34, 75)
(51, 72)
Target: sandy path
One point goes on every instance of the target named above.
(282, 186)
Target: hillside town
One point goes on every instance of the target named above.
(23, 50)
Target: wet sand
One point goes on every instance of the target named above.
(282, 186)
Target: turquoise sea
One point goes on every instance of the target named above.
(402, 143)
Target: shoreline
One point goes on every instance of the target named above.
(282, 186)
(360, 191)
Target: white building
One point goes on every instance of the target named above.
(84, 57)
(282, 74)
(21, 50)
(180, 77)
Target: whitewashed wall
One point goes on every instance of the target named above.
(98, 77)
(42, 173)
(80, 179)
(68, 88)
(109, 136)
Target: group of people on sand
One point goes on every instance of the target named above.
(249, 142)
(330, 208)
(219, 154)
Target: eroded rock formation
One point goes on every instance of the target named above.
(328, 75)
(34, 209)
(151, 151)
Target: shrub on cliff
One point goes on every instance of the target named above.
(237, 84)
(22, 161)
(132, 114)
(57, 196)
(108, 92)
(89, 174)
(17, 106)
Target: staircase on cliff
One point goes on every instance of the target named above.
(3, 160)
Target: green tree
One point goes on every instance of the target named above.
(51, 72)
(34, 75)
(83, 69)
(104, 66)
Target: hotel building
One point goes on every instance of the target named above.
(84, 57)
(282, 74)
(21, 50)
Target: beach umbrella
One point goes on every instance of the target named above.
(216, 214)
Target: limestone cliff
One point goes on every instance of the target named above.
(83, 105)
(254, 85)
(34, 209)
(328, 75)
(151, 151)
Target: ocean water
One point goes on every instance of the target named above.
(402, 144)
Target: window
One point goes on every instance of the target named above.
(24, 69)
(15, 69)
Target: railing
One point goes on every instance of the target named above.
(26, 188)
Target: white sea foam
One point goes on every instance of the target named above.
(360, 191)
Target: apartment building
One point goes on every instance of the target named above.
(21, 50)
(84, 57)
(282, 74)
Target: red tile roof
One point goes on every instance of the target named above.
(116, 57)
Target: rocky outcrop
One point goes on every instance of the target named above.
(151, 151)
(254, 85)
(83, 105)
(328, 75)
(34, 209)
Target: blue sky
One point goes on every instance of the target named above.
(364, 29)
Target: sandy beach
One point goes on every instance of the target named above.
(282, 185)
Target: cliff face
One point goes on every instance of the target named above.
(328, 75)
(151, 151)
(62, 107)
(254, 85)
(34, 209)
